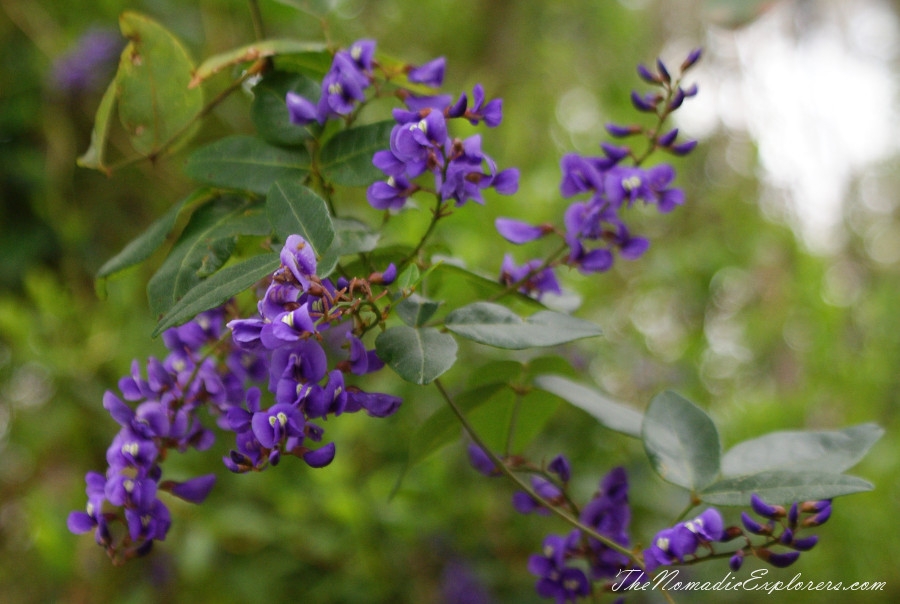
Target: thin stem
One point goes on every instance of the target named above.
(512, 423)
(436, 215)
(527, 487)
(256, 17)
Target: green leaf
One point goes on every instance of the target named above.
(94, 156)
(416, 310)
(246, 162)
(417, 355)
(442, 427)
(295, 209)
(526, 416)
(219, 288)
(253, 52)
(350, 237)
(346, 158)
(681, 441)
(203, 247)
(496, 325)
(155, 102)
(611, 414)
(783, 487)
(140, 248)
(826, 451)
(449, 276)
(409, 278)
(269, 110)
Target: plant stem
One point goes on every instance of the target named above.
(256, 17)
(527, 487)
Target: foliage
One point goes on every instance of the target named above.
(257, 190)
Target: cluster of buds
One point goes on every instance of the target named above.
(594, 229)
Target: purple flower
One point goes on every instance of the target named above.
(430, 74)
(683, 539)
(533, 278)
(274, 425)
(85, 66)
(194, 490)
(556, 579)
(481, 461)
(390, 194)
(299, 258)
(516, 231)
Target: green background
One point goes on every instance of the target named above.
(334, 535)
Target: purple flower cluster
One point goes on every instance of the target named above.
(594, 228)
(609, 514)
(300, 316)
(343, 87)
(568, 564)
(783, 528)
(421, 143)
(165, 417)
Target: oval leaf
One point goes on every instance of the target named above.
(203, 247)
(781, 487)
(217, 289)
(140, 248)
(246, 162)
(828, 451)
(498, 326)
(295, 209)
(614, 416)
(417, 355)
(416, 310)
(346, 159)
(155, 103)
(681, 441)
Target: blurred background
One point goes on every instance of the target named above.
(770, 298)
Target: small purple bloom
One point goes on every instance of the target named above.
(430, 74)
(481, 461)
(194, 490)
(516, 231)
(299, 258)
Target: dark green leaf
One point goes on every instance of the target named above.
(140, 248)
(681, 441)
(498, 326)
(219, 288)
(269, 110)
(94, 156)
(346, 158)
(155, 101)
(782, 487)
(825, 451)
(416, 310)
(246, 162)
(611, 414)
(417, 355)
(295, 209)
(350, 237)
(203, 247)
